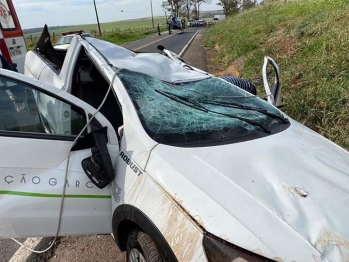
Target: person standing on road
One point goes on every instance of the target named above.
(159, 30)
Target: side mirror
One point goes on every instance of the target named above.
(271, 78)
(98, 167)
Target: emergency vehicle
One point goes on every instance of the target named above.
(12, 43)
(64, 41)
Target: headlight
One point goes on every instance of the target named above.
(221, 251)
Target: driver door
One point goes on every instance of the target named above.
(38, 124)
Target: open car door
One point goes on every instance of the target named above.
(271, 81)
(38, 125)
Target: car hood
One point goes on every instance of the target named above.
(285, 196)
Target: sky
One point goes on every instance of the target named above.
(35, 13)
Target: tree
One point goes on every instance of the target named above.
(247, 4)
(173, 6)
(229, 6)
(198, 3)
(194, 13)
(188, 4)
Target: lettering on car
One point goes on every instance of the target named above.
(130, 163)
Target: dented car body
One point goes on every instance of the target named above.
(208, 171)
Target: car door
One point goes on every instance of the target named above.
(38, 124)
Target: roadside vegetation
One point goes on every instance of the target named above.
(119, 32)
(309, 40)
(141, 24)
(127, 37)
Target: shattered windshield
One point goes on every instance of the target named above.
(202, 111)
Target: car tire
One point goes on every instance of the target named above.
(140, 248)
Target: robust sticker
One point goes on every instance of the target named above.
(132, 164)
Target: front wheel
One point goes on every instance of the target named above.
(140, 248)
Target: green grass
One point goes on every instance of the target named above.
(309, 41)
(123, 31)
(127, 37)
(145, 23)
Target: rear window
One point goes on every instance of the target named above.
(6, 19)
(64, 40)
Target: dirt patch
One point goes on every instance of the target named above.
(281, 44)
(231, 70)
(217, 47)
(213, 66)
(219, 68)
(87, 248)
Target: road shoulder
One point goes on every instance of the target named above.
(196, 54)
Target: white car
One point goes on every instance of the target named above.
(177, 164)
(64, 41)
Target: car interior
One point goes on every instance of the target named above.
(90, 86)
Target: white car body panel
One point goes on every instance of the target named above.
(283, 196)
(24, 173)
(280, 190)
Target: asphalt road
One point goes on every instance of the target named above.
(174, 42)
(8, 248)
(73, 248)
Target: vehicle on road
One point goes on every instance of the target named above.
(218, 18)
(175, 23)
(179, 165)
(12, 43)
(64, 41)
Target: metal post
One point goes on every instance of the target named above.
(99, 27)
(152, 15)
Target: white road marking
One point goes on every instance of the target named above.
(188, 44)
(22, 253)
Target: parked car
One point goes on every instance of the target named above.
(190, 23)
(64, 41)
(179, 165)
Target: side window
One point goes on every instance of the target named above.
(6, 19)
(26, 110)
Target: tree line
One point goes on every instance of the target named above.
(191, 8)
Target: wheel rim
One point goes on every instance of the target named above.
(136, 256)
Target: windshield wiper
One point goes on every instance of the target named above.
(185, 101)
(239, 106)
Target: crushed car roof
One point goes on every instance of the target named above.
(153, 64)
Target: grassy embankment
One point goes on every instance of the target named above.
(309, 39)
(118, 32)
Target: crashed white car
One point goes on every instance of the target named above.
(177, 164)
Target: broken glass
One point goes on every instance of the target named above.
(198, 111)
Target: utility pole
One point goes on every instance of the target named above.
(152, 16)
(99, 26)
(188, 10)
